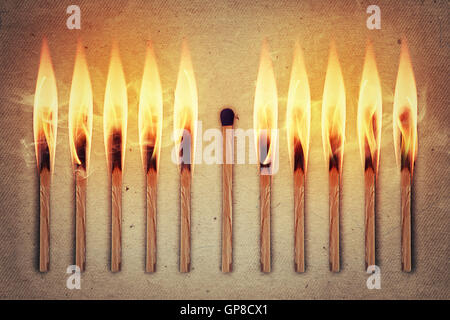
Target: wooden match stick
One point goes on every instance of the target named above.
(299, 220)
(80, 217)
(265, 179)
(116, 201)
(406, 218)
(45, 123)
(227, 119)
(44, 219)
(185, 226)
(116, 219)
(299, 207)
(334, 203)
(265, 193)
(150, 265)
(369, 177)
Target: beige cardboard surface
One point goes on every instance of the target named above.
(225, 39)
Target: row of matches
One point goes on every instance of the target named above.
(265, 128)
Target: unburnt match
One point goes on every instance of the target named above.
(115, 128)
(150, 130)
(406, 145)
(298, 119)
(227, 119)
(265, 117)
(333, 133)
(80, 133)
(45, 123)
(185, 121)
(369, 135)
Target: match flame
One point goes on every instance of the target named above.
(150, 112)
(45, 113)
(405, 112)
(333, 112)
(265, 112)
(370, 112)
(115, 112)
(80, 111)
(298, 115)
(185, 109)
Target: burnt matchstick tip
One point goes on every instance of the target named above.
(227, 117)
(44, 156)
(368, 163)
(151, 159)
(334, 163)
(81, 151)
(299, 158)
(116, 150)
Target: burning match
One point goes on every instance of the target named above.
(80, 133)
(185, 121)
(227, 119)
(369, 134)
(406, 143)
(45, 124)
(265, 125)
(115, 129)
(150, 130)
(298, 119)
(333, 135)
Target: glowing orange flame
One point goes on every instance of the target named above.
(115, 112)
(45, 113)
(369, 112)
(150, 112)
(405, 112)
(333, 112)
(80, 111)
(298, 115)
(185, 109)
(265, 112)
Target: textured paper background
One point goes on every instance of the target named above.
(225, 40)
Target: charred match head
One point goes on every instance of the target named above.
(371, 144)
(43, 155)
(149, 151)
(299, 156)
(116, 150)
(151, 162)
(405, 120)
(81, 151)
(227, 117)
(368, 161)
